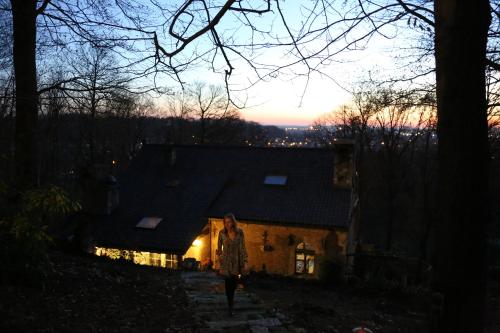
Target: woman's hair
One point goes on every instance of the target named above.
(233, 219)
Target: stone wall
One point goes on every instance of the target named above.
(272, 247)
(200, 249)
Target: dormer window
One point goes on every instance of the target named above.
(148, 223)
(279, 180)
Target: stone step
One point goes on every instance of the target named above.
(222, 300)
(264, 322)
(206, 292)
(223, 308)
(198, 291)
(222, 314)
(222, 324)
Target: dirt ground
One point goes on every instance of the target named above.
(91, 294)
(319, 308)
(493, 303)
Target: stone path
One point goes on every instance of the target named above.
(206, 293)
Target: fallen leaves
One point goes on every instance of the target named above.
(88, 294)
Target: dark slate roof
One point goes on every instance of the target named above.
(211, 181)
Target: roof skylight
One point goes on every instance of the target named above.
(148, 222)
(275, 180)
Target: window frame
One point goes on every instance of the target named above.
(307, 258)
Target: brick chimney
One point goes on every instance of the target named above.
(343, 170)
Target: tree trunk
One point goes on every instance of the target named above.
(24, 40)
(427, 217)
(202, 130)
(460, 52)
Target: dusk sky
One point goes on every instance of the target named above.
(284, 99)
(285, 102)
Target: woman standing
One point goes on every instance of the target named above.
(232, 255)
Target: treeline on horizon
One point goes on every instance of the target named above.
(73, 142)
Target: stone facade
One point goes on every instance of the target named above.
(273, 247)
(200, 249)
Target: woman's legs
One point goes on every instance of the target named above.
(231, 282)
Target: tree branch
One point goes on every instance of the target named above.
(41, 9)
(492, 64)
(415, 13)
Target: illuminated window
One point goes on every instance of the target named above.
(140, 258)
(148, 222)
(275, 180)
(304, 259)
(167, 260)
(170, 260)
(155, 259)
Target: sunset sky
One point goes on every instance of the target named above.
(284, 99)
(285, 102)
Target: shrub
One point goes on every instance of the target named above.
(24, 222)
(332, 270)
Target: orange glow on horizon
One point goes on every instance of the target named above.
(281, 121)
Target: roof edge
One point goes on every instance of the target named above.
(288, 224)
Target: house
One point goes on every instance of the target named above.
(293, 204)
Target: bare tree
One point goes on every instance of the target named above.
(6, 92)
(179, 111)
(124, 127)
(53, 106)
(202, 114)
(213, 111)
(389, 127)
(96, 81)
(98, 105)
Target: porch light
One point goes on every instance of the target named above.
(197, 242)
